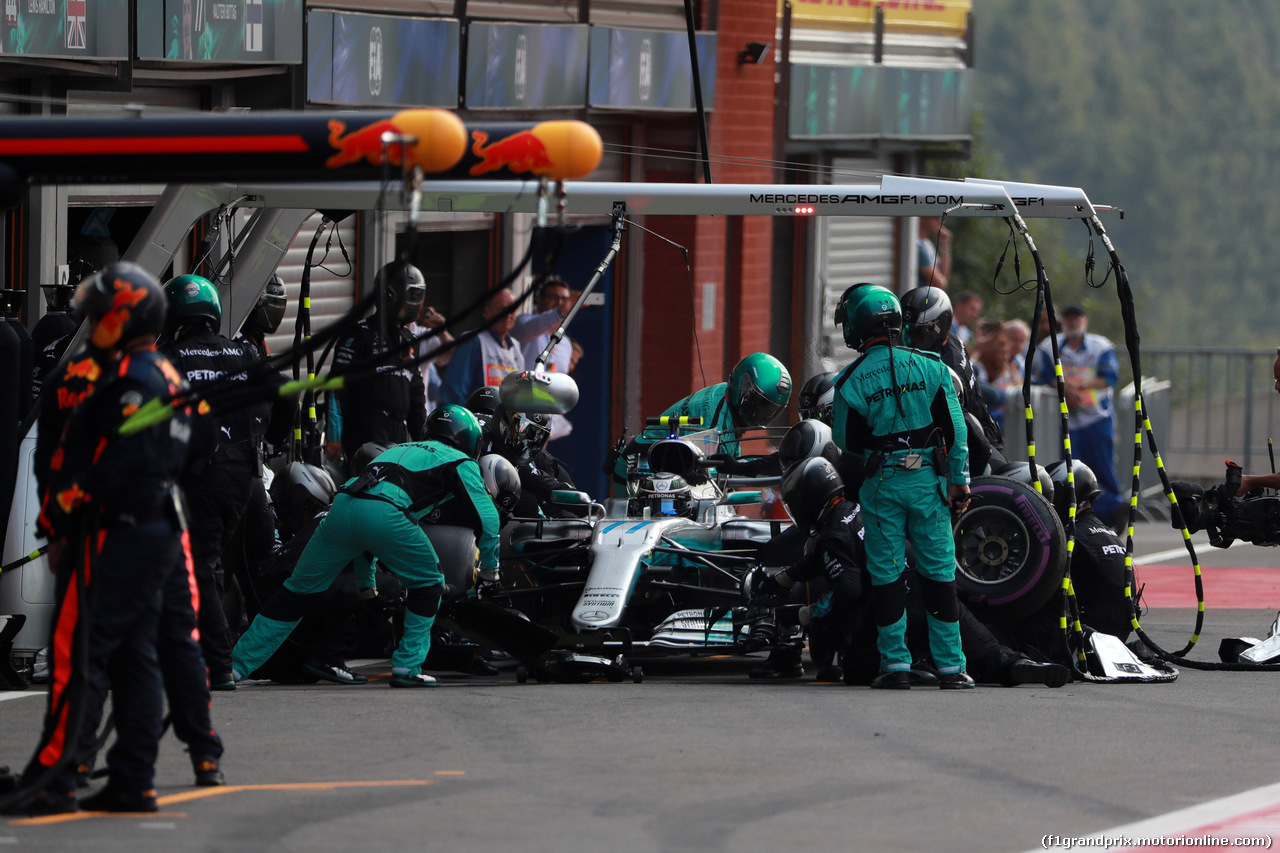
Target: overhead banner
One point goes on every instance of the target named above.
(649, 69)
(368, 60)
(841, 101)
(526, 65)
(944, 17)
(223, 31)
(68, 29)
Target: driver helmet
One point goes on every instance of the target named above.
(665, 495)
(406, 290)
(268, 312)
(191, 298)
(817, 398)
(868, 311)
(926, 318)
(455, 426)
(808, 488)
(124, 301)
(501, 481)
(759, 388)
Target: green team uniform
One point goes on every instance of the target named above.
(712, 405)
(904, 496)
(416, 483)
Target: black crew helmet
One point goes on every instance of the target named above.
(365, 454)
(125, 301)
(456, 427)
(808, 488)
(817, 397)
(1084, 480)
(926, 318)
(806, 440)
(406, 289)
(298, 493)
(484, 399)
(268, 312)
(501, 481)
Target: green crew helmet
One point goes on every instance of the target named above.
(456, 427)
(868, 311)
(191, 298)
(759, 388)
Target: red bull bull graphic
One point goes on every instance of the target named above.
(559, 150)
(440, 139)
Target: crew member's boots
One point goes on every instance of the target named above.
(783, 662)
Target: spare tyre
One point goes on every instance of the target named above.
(1011, 550)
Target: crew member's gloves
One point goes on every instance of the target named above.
(725, 463)
(772, 587)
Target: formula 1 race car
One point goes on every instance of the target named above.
(657, 573)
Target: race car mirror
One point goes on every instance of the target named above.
(679, 457)
(742, 498)
(535, 392)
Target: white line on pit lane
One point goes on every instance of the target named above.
(1177, 552)
(1203, 819)
(4, 697)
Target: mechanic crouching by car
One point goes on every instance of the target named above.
(380, 515)
(219, 488)
(897, 407)
(1097, 575)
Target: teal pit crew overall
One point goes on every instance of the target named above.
(416, 483)
(904, 497)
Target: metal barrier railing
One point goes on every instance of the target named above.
(1222, 404)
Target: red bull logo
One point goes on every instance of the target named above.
(435, 140)
(559, 150)
(520, 152)
(85, 368)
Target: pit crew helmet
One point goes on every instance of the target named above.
(406, 289)
(365, 454)
(806, 440)
(456, 427)
(298, 493)
(926, 318)
(1021, 471)
(268, 312)
(501, 481)
(868, 311)
(484, 399)
(808, 488)
(817, 397)
(124, 301)
(520, 435)
(664, 495)
(759, 388)
(1086, 483)
(191, 298)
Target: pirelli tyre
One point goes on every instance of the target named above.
(456, 550)
(1011, 550)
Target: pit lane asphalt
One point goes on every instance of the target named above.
(699, 758)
